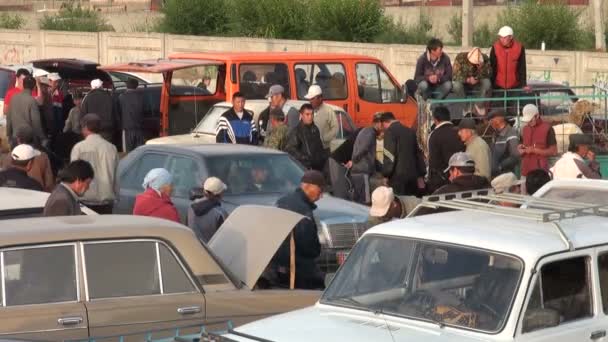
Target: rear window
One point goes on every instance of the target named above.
(200, 80)
(255, 79)
(6, 78)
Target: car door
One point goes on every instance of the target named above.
(138, 285)
(132, 177)
(560, 304)
(186, 176)
(41, 297)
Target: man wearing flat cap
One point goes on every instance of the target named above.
(305, 235)
(579, 161)
(505, 142)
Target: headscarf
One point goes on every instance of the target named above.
(96, 83)
(157, 178)
(475, 56)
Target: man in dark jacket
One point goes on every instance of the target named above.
(403, 165)
(74, 182)
(15, 176)
(461, 171)
(24, 112)
(131, 105)
(505, 142)
(443, 143)
(205, 216)
(99, 101)
(304, 142)
(306, 238)
(434, 71)
(236, 125)
(363, 162)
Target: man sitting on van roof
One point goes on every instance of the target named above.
(236, 125)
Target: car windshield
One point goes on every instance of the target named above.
(444, 284)
(256, 174)
(591, 196)
(209, 122)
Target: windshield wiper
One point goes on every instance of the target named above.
(352, 301)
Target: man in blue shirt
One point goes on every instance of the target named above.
(236, 125)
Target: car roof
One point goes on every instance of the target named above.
(13, 198)
(264, 103)
(512, 235)
(270, 56)
(591, 184)
(212, 149)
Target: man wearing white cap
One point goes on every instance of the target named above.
(538, 139)
(508, 60)
(325, 118)
(16, 176)
(386, 206)
(471, 73)
(98, 101)
(206, 215)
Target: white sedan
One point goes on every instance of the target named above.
(20, 203)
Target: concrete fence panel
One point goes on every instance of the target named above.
(82, 45)
(17, 47)
(128, 47)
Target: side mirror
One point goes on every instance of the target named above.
(196, 193)
(540, 318)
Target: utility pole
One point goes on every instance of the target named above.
(467, 23)
(600, 39)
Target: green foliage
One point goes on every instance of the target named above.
(12, 22)
(484, 36)
(556, 24)
(455, 29)
(196, 17)
(400, 33)
(345, 20)
(73, 17)
(270, 18)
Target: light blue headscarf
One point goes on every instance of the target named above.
(156, 178)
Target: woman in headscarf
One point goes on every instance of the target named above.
(156, 200)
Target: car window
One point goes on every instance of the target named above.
(602, 265)
(6, 77)
(174, 277)
(561, 294)
(255, 79)
(554, 102)
(185, 175)
(121, 269)
(199, 80)
(346, 125)
(331, 77)
(374, 84)
(209, 122)
(40, 275)
(134, 176)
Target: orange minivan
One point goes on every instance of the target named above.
(193, 82)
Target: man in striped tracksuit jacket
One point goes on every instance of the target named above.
(236, 125)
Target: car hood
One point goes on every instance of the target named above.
(182, 139)
(324, 324)
(250, 237)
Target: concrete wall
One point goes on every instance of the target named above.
(576, 68)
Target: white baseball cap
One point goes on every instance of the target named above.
(505, 31)
(96, 83)
(529, 112)
(24, 152)
(53, 76)
(313, 91)
(504, 182)
(40, 72)
(382, 198)
(214, 185)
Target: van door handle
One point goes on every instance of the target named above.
(69, 320)
(598, 334)
(357, 106)
(188, 310)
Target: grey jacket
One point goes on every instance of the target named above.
(24, 112)
(205, 217)
(62, 202)
(505, 156)
(325, 120)
(364, 152)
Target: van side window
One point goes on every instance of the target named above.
(256, 79)
(374, 84)
(562, 293)
(331, 77)
(40, 275)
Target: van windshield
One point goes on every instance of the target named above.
(445, 284)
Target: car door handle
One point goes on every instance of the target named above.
(69, 320)
(598, 334)
(188, 310)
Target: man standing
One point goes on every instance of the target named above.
(131, 105)
(304, 142)
(276, 96)
(508, 61)
(434, 71)
(103, 157)
(74, 182)
(472, 73)
(461, 171)
(99, 101)
(476, 147)
(579, 161)
(363, 162)
(325, 118)
(24, 112)
(443, 143)
(236, 125)
(403, 165)
(277, 133)
(15, 176)
(505, 154)
(19, 77)
(539, 141)
(206, 215)
(56, 122)
(305, 235)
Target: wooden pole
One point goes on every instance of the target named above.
(600, 38)
(467, 23)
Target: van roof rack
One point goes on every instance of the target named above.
(512, 205)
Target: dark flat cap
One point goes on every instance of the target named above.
(313, 177)
(496, 113)
(581, 139)
(467, 123)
